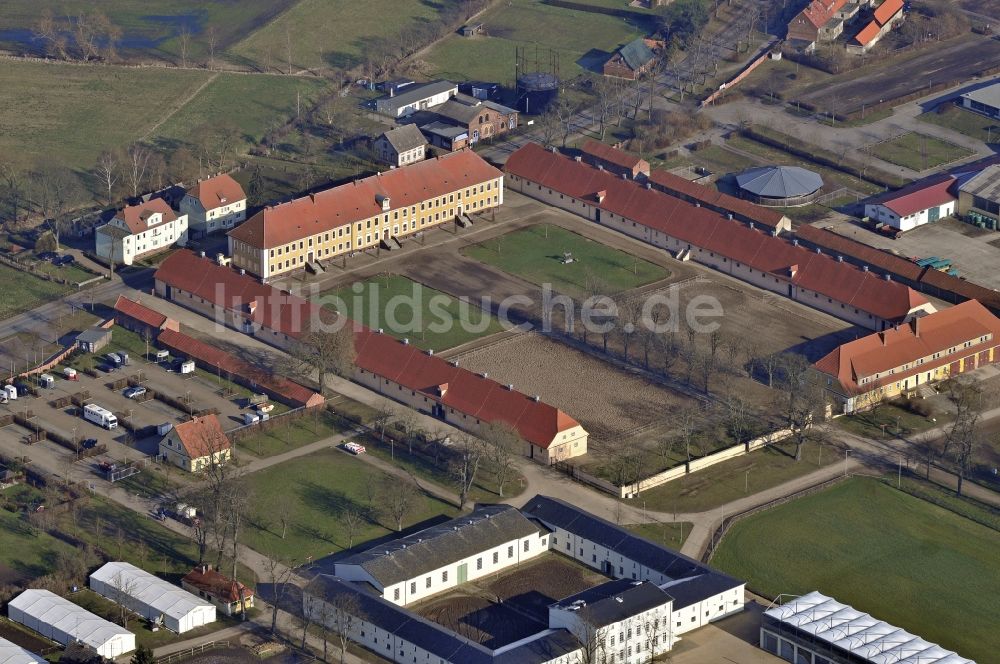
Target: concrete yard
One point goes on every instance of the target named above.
(973, 252)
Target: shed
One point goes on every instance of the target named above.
(227, 594)
(152, 597)
(11, 653)
(471, 29)
(94, 339)
(64, 622)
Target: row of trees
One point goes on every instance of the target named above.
(86, 36)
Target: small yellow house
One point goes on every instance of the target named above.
(197, 444)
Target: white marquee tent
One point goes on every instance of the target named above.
(64, 622)
(152, 597)
(11, 653)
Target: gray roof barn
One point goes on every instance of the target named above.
(779, 181)
(486, 527)
(614, 601)
(412, 94)
(405, 138)
(636, 54)
(464, 109)
(988, 95)
(985, 184)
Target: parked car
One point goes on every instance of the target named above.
(89, 443)
(64, 260)
(134, 392)
(354, 448)
(48, 256)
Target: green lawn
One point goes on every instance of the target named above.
(734, 479)
(317, 490)
(30, 291)
(537, 26)
(535, 253)
(72, 274)
(905, 561)
(331, 33)
(971, 124)
(405, 308)
(718, 159)
(26, 552)
(290, 434)
(891, 419)
(151, 27)
(919, 151)
(670, 535)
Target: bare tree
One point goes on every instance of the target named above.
(804, 399)
(108, 173)
(502, 443)
(398, 498)
(123, 590)
(465, 466)
(327, 352)
(55, 188)
(353, 520)
(211, 38)
(50, 33)
(279, 574)
(341, 612)
(965, 436)
(184, 44)
(136, 164)
(284, 510)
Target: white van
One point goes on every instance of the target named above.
(100, 416)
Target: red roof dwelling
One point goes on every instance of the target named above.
(217, 191)
(463, 398)
(714, 199)
(887, 10)
(220, 292)
(139, 318)
(888, 14)
(362, 214)
(925, 350)
(137, 217)
(925, 279)
(257, 379)
(197, 443)
(612, 159)
(817, 22)
(227, 594)
(215, 204)
(701, 234)
(920, 203)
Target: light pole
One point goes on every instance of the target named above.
(899, 473)
(847, 453)
(746, 482)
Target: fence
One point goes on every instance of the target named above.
(191, 652)
(633, 490)
(731, 83)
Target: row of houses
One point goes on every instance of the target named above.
(693, 232)
(150, 226)
(652, 597)
(383, 363)
(823, 21)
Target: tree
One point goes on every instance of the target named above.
(54, 188)
(107, 172)
(14, 185)
(327, 352)
(135, 167)
(353, 520)
(341, 612)
(284, 509)
(964, 437)
(468, 455)
(184, 42)
(398, 498)
(279, 574)
(143, 655)
(211, 38)
(49, 32)
(46, 242)
(502, 443)
(805, 400)
(123, 589)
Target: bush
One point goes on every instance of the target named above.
(46, 242)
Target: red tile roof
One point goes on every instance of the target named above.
(223, 286)
(536, 421)
(918, 196)
(905, 344)
(699, 226)
(135, 216)
(867, 33)
(217, 191)
(202, 436)
(818, 12)
(217, 585)
(277, 386)
(605, 152)
(887, 10)
(332, 208)
(670, 183)
(139, 312)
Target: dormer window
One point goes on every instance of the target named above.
(383, 202)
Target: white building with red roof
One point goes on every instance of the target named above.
(364, 214)
(695, 232)
(140, 230)
(215, 204)
(918, 204)
(197, 444)
(896, 361)
(228, 595)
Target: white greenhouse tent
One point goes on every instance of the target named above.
(64, 622)
(11, 653)
(152, 597)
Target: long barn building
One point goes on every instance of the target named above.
(364, 214)
(691, 231)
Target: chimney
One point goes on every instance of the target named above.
(649, 185)
(484, 375)
(204, 568)
(864, 268)
(406, 342)
(624, 176)
(729, 216)
(840, 259)
(881, 336)
(536, 398)
(697, 204)
(601, 195)
(888, 277)
(792, 270)
(577, 158)
(600, 167)
(553, 150)
(201, 253)
(430, 351)
(795, 242)
(510, 387)
(818, 250)
(381, 331)
(915, 324)
(242, 272)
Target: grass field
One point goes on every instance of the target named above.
(971, 124)
(734, 479)
(531, 23)
(903, 560)
(331, 33)
(535, 254)
(150, 26)
(918, 151)
(889, 420)
(290, 434)
(25, 552)
(30, 292)
(326, 484)
(408, 309)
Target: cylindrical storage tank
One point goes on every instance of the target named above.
(535, 91)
